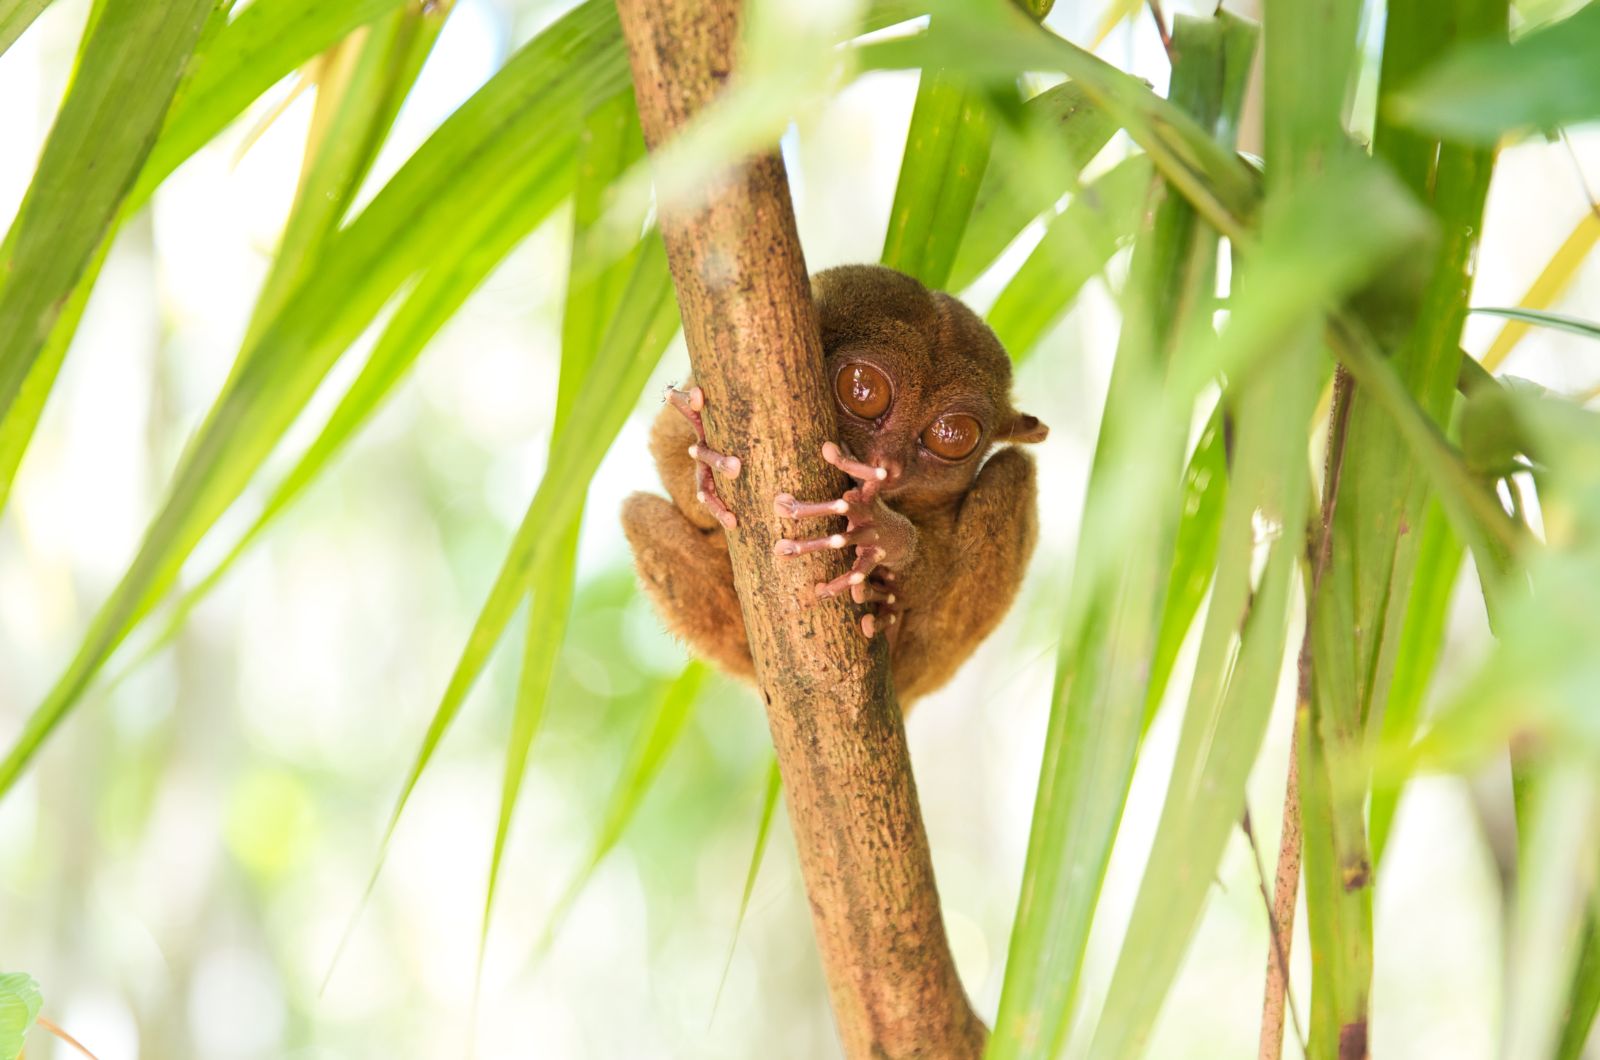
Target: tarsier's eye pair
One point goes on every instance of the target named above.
(864, 391)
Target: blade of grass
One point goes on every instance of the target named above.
(1554, 279)
(1194, 555)
(1375, 495)
(15, 18)
(1587, 328)
(1076, 246)
(657, 736)
(369, 75)
(947, 152)
(1484, 89)
(553, 577)
(1583, 995)
(1056, 134)
(634, 342)
(611, 141)
(992, 38)
(266, 42)
(1097, 709)
(1439, 556)
(505, 141)
(769, 806)
(106, 126)
(1554, 885)
(435, 299)
(234, 62)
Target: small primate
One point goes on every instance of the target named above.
(941, 535)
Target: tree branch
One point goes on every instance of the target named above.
(753, 342)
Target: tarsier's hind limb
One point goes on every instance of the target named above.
(687, 573)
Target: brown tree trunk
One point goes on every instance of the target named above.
(753, 342)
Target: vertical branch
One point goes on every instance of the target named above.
(753, 342)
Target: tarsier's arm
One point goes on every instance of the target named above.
(995, 534)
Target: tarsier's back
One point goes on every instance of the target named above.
(940, 535)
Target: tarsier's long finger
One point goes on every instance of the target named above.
(789, 508)
(785, 546)
(866, 560)
(728, 465)
(872, 623)
(868, 593)
(854, 468)
(706, 494)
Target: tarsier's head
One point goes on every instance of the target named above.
(922, 385)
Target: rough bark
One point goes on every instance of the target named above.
(745, 297)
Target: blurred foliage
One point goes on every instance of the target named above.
(379, 447)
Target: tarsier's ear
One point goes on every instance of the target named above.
(1024, 428)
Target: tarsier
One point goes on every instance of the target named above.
(941, 536)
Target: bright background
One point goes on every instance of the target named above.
(178, 868)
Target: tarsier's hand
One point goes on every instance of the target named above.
(690, 402)
(883, 539)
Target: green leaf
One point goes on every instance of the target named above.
(513, 138)
(1097, 710)
(107, 124)
(646, 319)
(266, 42)
(947, 151)
(996, 39)
(1556, 859)
(1194, 554)
(19, 1007)
(610, 143)
(1439, 556)
(658, 735)
(1483, 90)
(1583, 995)
(1588, 329)
(1076, 246)
(1058, 132)
(552, 579)
(15, 18)
(769, 805)
(363, 82)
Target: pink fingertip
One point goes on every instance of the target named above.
(830, 452)
(783, 547)
(729, 520)
(868, 626)
(731, 466)
(857, 578)
(697, 398)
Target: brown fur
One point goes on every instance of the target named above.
(975, 520)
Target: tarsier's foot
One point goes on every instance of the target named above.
(881, 539)
(690, 402)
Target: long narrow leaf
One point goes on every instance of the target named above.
(1587, 328)
(513, 137)
(1076, 246)
(15, 18)
(769, 806)
(657, 736)
(1097, 711)
(947, 152)
(107, 124)
(1059, 131)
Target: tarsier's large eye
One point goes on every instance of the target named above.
(862, 390)
(952, 436)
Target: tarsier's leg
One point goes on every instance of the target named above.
(995, 534)
(882, 538)
(686, 571)
(690, 403)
